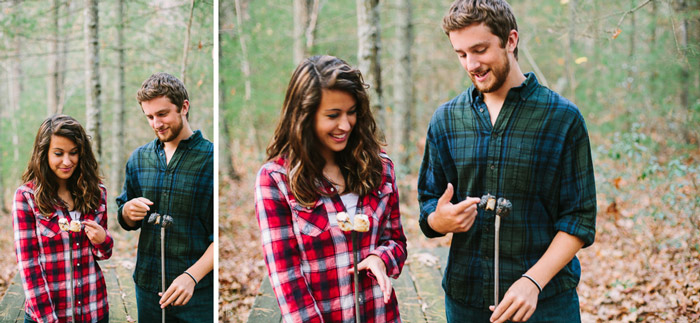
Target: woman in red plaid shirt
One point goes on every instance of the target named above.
(325, 158)
(62, 185)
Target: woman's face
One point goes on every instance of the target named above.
(63, 157)
(333, 122)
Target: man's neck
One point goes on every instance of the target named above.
(515, 78)
(185, 133)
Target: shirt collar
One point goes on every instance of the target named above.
(190, 142)
(523, 90)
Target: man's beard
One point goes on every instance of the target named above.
(499, 74)
(174, 132)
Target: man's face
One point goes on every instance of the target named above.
(163, 117)
(482, 56)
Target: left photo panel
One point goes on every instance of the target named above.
(107, 161)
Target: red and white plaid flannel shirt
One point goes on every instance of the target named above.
(42, 257)
(307, 254)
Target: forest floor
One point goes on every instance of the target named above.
(642, 266)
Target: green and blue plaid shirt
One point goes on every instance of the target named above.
(538, 156)
(184, 189)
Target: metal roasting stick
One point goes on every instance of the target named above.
(72, 283)
(356, 254)
(360, 223)
(162, 265)
(495, 262)
(488, 203)
(164, 221)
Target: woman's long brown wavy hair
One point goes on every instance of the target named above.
(294, 137)
(83, 184)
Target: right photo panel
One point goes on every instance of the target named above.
(458, 161)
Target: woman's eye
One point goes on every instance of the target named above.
(352, 111)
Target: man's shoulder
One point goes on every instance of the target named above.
(143, 151)
(446, 110)
(557, 103)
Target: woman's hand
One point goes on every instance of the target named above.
(376, 265)
(95, 232)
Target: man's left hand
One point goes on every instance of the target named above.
(179, 292)
(518, 303)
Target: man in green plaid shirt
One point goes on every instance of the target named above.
(172, 175)
(510, 137)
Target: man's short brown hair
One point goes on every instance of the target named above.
(163, 84)
(495, 14)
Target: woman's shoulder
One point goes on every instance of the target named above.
(274, 165)
(387, 166)
(27, 187)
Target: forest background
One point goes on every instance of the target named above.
(88, 59)
(631, 66)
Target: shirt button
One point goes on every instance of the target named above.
(332, 189)
(379, 192)
(481, 110)
(78, 264)
(493, 166)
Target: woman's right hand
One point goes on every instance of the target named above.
(376, 265)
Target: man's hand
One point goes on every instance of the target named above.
(95, 232)
(518, 304)
(136, 209)
(450, 217)
(179, 292)
(376, 265)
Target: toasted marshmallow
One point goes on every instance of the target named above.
(75, 226)
(63, 224)
(361, 223)
(344, 221)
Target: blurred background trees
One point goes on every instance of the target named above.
(87, 59)
(632, 67)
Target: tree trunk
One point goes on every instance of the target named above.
(92, 76)
(226, 169)
(301, 21)
(683, 43)
(368, 32)
(246, 116)
(186, 49)
(118, 117)
(54, 64)
(403, 83)
(570, 70)
(15, 89)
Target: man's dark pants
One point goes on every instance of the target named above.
(561, 308)
(200, 308)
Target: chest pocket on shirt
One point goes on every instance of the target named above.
(382, 200)
(48, 228)
(524, 168)
(311, 221)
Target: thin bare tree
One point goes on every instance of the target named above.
(53, 62)
(118, 115)
(15, 86)
(92, 76)
(403, 83)
(226, 167)
(305, 19)
(369, 45)
(186, 49)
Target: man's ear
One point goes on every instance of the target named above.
(185, 107)
(512, 41)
